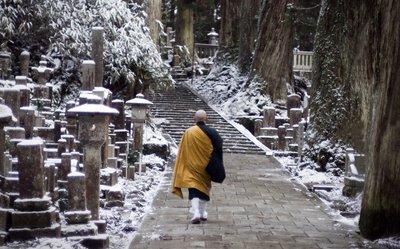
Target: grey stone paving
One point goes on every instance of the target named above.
(256, 207)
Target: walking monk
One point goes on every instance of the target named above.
(199, 161)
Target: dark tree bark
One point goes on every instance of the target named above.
(230, 21)
(273, 56)
(184, 35)
(357, 77)
(249, 11)
(335, 113)
(380, 213)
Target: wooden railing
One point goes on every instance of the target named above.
(303, 61)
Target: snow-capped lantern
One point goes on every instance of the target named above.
(213, 37)
(139, 107)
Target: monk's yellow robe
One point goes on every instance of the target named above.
(194, 154)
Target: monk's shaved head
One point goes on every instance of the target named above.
(200, 115)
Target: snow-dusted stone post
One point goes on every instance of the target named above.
(21, 82)
(5, 64)
(281, 137)
(269, 117)
(139, 108)
(77, 207)
(72, 124)
(93, 124)
(300, 138)
(12, 99)
(65, 167)
(293, 101)
(295, 115)
(258, 124)
(24, 60)
(119, 120)
(88, 70)
(31, 168)
(6, 117)
(97, 54)
(28, 119)
(33, 213)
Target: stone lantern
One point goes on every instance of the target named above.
(213, 37)
(139, 108)
(93, 124)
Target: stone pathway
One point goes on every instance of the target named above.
(256, 207)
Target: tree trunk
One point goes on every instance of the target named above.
(153, 10)
(356, 89)
(184, 35)
(248, 32)
(380, 213)
(230, 21)
(335, 113)
(273, 56)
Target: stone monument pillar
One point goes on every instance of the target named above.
(34, 217)
(97, 54)
(24, 59)
(93, 124)
(269, 117)
(88, 70)
(77, 212)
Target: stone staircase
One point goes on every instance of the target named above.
(177, 106)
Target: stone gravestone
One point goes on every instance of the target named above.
(293, 101)
(33, 217)
(24, 59)
(269, 117)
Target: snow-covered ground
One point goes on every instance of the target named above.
(225, 88)
(328, 188)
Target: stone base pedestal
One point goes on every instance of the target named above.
(101, 225)
(112, 162)
(3, 236)
(34, 219)
(5, 219)
(30, 205)
(16, 234)
(100, 241)
(108, 176)
(352, 186)
(89, 229)
(130, 172)
(77, 217)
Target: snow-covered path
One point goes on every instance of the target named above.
(256, 207)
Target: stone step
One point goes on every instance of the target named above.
(178, 105)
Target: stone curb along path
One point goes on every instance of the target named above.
(256, 207)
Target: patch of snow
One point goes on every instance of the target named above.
(31, 142)
(93, 109)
